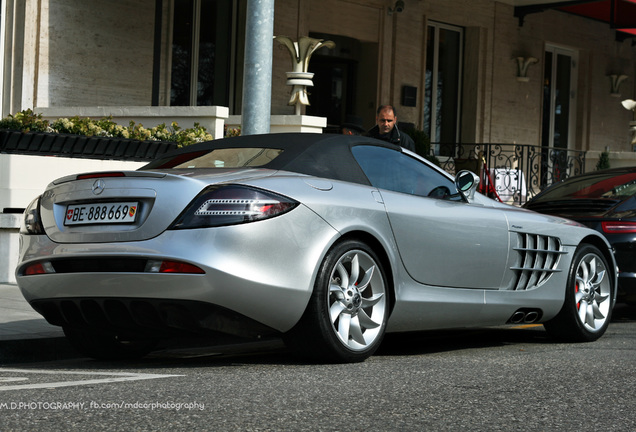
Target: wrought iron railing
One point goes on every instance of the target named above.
(513, 173)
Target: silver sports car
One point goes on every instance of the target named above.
(327, 240)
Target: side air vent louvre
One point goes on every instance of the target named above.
(538, 258)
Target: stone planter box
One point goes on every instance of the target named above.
(29, 161)
(78, 146)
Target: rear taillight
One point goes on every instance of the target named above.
(43, 267)
(231, 205)
(157, 266)
(99, 265)
(32, 221)
(618, 227)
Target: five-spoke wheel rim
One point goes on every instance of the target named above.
(357, 300)
(592, 292)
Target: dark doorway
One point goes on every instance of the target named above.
(559, 104)
(345, 81)
(333, 91)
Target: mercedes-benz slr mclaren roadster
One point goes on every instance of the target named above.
(326, 240)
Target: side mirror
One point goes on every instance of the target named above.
(466, 183)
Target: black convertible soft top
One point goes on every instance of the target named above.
(320, 155)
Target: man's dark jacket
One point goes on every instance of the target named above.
(395, 137)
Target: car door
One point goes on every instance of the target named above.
(442, 240)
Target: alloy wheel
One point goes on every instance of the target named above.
(357, 300)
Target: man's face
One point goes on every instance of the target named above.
(385, 121)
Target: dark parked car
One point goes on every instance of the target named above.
(604, 201)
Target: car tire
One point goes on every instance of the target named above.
(107, 346)
(589, 299)
(347, 313)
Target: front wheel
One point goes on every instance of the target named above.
(346, 316)
(589, 299)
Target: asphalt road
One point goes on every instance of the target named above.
(479, 380)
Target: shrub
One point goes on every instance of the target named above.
(422, 144)
(603, 161)
(28, 121)
(232, 132)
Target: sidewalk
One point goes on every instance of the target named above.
(24, 334)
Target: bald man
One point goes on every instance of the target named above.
(386, 128)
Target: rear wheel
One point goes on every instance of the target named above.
(589, 299)
(346, 316)
(107, 346)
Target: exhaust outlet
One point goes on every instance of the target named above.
(517, 317)
(525, 316)
(531, 317)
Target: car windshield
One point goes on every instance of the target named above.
(220, 158)
(602, 185)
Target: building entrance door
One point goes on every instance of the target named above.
(345, 81)
(333, 91)
(559, 106)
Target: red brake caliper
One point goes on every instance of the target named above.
(576, 289)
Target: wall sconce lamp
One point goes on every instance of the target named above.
(630, 104)
(616, 81)
(398, 7)
(523, 63)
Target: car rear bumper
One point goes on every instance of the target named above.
(263, 271)
(146, 317)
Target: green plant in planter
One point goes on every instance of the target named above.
(422, 144)
(28, 121)
(78, 126)
(603, 161)
(184, 137)
(232, 132)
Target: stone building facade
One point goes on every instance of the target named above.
(68, 53)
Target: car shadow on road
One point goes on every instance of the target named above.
(273, 351)
(414, 343)
(623, 313)
(417, 343)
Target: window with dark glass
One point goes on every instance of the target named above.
(201, 46)
(559, 108)
(395, 171)
(442, 90)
